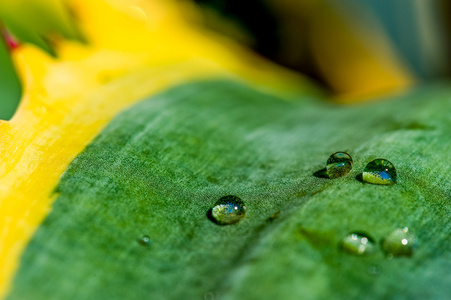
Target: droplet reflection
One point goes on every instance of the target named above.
(399, 243)
(144, 240)
(228, 210)
(339, 164)
(358, 244)
(379, 171)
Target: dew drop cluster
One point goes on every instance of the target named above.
(399, 242)
(231, 209)
(378, 171)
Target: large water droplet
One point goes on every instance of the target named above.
(228, 210)
(399, 243)
(358, 243)
(339, 164)
(379, 171)
(145, 240)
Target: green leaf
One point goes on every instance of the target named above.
(161, 165)
(40, 22)
(10, 90)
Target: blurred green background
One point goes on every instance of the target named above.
(319, 38)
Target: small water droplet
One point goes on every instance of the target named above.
(228, 210)
(379, 171)
(357, 243)
(399, 243)
(339, 164)
(145, 240)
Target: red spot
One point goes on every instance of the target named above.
(10, 40)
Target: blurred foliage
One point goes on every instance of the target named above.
(355, 49)
(39, 22)
(420, 32)
(334, 43)
(416, 29)
(253, 17)
(10, 89)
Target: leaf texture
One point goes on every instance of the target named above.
(159, 167)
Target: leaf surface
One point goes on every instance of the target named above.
(159, 167)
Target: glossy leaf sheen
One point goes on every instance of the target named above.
(159, 166)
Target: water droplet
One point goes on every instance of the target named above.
(379, 171)
(228, 210)
(145, 240)
(339, 164)
(399, 243)
(358, 243)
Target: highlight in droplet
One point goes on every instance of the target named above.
(339, 164)
(228, 210)
(358, 243)
(379, 171)
(400, 242)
